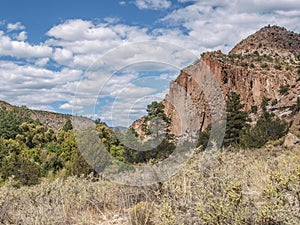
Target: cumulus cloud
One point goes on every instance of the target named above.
(22, 36)
(15, 26)
(34, 86)
(123, 111)
(153, 4)
(222, 24)
(62, 56)
(22, 49)
(41, 62)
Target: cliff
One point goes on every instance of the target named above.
(266, 65)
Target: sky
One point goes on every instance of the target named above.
(108, 59)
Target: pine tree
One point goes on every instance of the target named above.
(68, 125)
(236, 119)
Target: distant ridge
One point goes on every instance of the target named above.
(49, 119)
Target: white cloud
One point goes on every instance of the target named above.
(63, 56)
(122, 3)
(111, 20)
(70, 30)
(21, 49)
(122, 112)
(153, 4)
(22, 36)
(43, 107)
(292, 13)
(267, 6)
(41, 62)
(212, 25)
(68, 106)
(15, 26)
(34, 86)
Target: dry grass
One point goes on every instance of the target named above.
(245, 187)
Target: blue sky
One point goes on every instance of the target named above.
(51, 51)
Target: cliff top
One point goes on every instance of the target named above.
(270, 40)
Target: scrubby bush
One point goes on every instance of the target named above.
(13, 163)
(284, 89)
(267, 128)
(141, 214)
(254, 109)
(296, 107)
(278, 67)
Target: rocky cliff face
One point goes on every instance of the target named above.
(266, 65)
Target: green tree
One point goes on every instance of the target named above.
(107, 135)
(156, 123)
(13, 162)
(9, 124)
(203, 138)
(118, 152)
(155, 109)
(68, 125)
(236, 119)
(78, 166)
(267, 128)
(33, 135)
(11, 119)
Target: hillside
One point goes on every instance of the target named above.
(51, 120)
(264, 66)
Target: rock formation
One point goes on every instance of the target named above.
(266, 65)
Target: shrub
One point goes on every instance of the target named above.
(264, 65)
(68, 125)
(274, 102)
(203, 138)
(280, 197)
(277, 67)
(296, 107)
(141, 214)
(225, 206)
(267, 128)
(264, 103)
(10, 120)
(13, 163)
(254, 109)
(284, 89)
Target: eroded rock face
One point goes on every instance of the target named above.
(194, 99)
(262, 66)
(290, 141)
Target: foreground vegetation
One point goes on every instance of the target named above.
(258, 186)
(250, 180)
